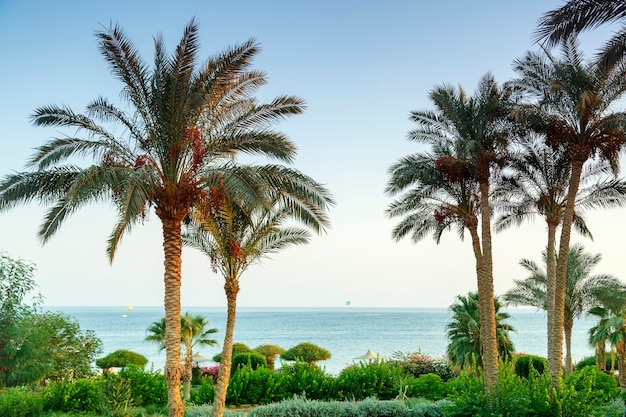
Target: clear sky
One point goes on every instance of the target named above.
(362, 66)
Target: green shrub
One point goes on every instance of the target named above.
(523, 364)
(121, 358)
(591, 361)
(301, 407)
(18, 402)
(82, 395)
(371, 407)
(147, 387)
(370, 380)
(252, 359)
(237, 348)
(306, 352)
(601, 387)
(205, 411)
(116, 395)
(308, 380)
(260, 386)
(205, 392)
(429, 386)
(420, 407)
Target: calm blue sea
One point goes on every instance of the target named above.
(345, 332)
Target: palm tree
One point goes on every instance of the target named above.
(475, 128)
(465, 348)
(558, 25)
(611, 327)
(583, 290)
(193, 332)
(573, 109)
(234, 234)
(537, 184)
(183, 126)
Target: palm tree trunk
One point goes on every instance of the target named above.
(231, 287)
(554, 362)
(188, 373)
(486, 296)
(567, 329)
(553, 223)
(172, 247)
(601, 356)
(621, 364)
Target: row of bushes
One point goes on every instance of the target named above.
(133, 386)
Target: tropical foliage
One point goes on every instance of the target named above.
(583, 290)
(466, 348)
(193, 332)
(234, 231)
(470, 136)
(178, 141)
(570, 102)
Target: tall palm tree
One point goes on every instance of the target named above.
(465, 348)
(184, 123)
(537, 185)
(475, 127)
(575, 16)
(583, 290)
(572, 106)
(193, 332)
(234, 234)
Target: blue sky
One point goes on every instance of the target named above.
(361, 66)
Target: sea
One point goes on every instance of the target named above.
(346, 332)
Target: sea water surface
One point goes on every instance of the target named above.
(346, 332)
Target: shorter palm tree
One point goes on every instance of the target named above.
(234, 232)
(465, 348)
(193, 332)
(583, 290)
(611, 327)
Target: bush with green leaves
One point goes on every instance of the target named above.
(526, 397)
(308, 380)
(601, 387)
(117, 396)
(303, 407)
(591, 361)
(270, 352)
(524, 363)
(205, 392)
(81, 395)
(121, 358)
(252, 359)
(237, 348)
(205, 411)
(19, 402)
(306, 352)
(374, 379)
(429, 386)
(260, 386)
(147, 387)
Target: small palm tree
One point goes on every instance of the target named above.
(193, 332)
(611, 327)
(583, 290)
(234, 234)
(465, 348)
